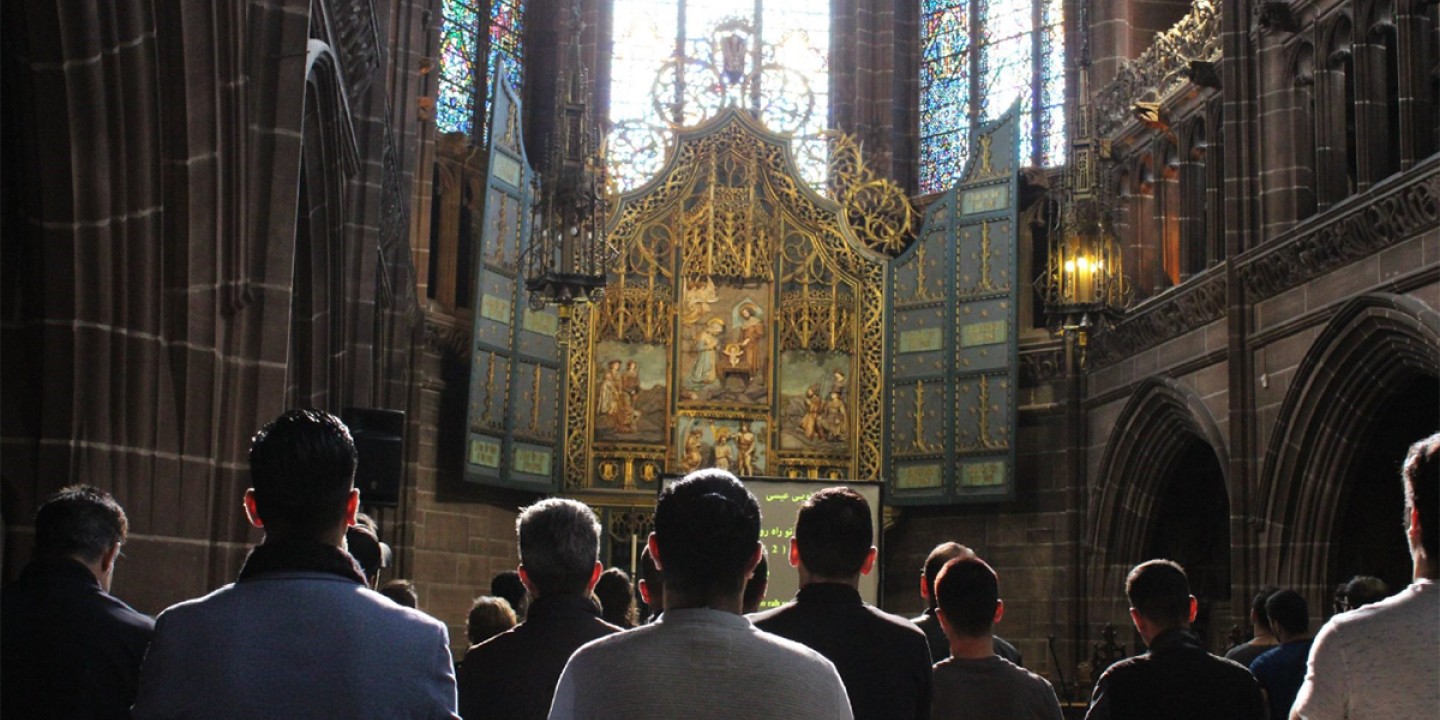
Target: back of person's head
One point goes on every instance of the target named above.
(1421, 474)
(302, 469)
(1257, 607)
(834, 532)
(489, 616)
(1362, 590)
(363, 545)
(654, 583)
(402, 592)
(79, 521)
(707, 528)
(1289, 613)
(935, 561)
(508, 585)
(1160, 592)
(968, 592)
(755, 587)
(617, 598)
(559, 546)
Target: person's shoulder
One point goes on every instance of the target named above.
(902, 626)
(372, 604)
(766, 616)
(196, 608)
(784, 647)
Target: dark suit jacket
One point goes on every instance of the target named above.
(940, 645)
(1177, 680)
(512, 676)
(70, 649)
(883, 658)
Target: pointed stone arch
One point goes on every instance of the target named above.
(1373, 343)
(1163, 420)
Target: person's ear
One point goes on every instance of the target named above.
(924, 588)
(999, 611)
(794, 553)
(1413, 531)
(108, 558)
(654, 552)
(352, 506)
(1139, 620)
(944, 622)
(644, 591)
(869, 563)
(1195, 605)
(754, 561)
(525, 580)
(594, 576)
(251, 513)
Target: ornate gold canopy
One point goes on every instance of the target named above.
(741, 325)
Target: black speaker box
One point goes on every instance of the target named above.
(380, 442)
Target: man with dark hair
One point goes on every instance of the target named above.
(651, 586)
(883, 659)
(512, 675)
(617, 598)
(364, 545)
(701, 660)
(1360, 591)
(939, 644)
(298, 634)
(974, 682)
(1381, 660)
(1281, 669)
(755, 587)
(1264, 639)
(1177, 679)
(508, 585)
(68, 648)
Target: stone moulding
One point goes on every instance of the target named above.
(1179, 311)
(1162, 69)
(1370, 223)
(1363, 226)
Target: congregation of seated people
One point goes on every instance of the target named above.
(306, 630)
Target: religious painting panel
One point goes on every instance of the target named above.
(631, 393)
(816, 393)
(734, 444)
(724, 340)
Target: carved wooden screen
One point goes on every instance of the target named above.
(741, 326)
(953, 351)
(514, 416)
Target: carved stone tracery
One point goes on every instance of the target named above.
(1162, 69)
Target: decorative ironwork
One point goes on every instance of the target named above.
(781, 83)
(565, 261)
(1162, 69)
(878, 210)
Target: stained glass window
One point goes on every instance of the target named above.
(776, 64)
(467, 58)
(977, 58)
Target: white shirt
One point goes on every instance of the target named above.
(1380, 661)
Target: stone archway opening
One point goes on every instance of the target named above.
(1191, 525)
(1369, 537)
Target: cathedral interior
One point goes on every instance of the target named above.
(1076, 283)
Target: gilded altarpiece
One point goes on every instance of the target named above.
(952, 334)
(515, 376)
(741, 327)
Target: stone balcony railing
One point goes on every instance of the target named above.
(1162, 69)
(1395, 210)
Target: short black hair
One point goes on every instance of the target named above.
(1257, 606)
(363, 545)
(935, 561)
(707, 527)
(80, 521)
(968, 591)
(1362, 590)
(402, 592)
(755, 586)
(834, 532)
(1421, 474)
(509, 586)
(302, 469)
(1289, 612)
(1160, 592)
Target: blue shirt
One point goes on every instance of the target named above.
(1280, 672)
